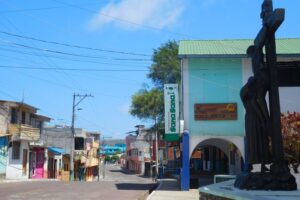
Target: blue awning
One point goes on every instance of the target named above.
(56, 150)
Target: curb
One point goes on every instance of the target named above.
(151, 193)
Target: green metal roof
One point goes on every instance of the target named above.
(222, 48)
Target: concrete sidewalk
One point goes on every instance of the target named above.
(169, 190)
(26, 180)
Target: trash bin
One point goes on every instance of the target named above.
(161, 172)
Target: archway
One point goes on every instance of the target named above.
(214, 156)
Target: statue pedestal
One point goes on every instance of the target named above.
(266, 181)
(226, 190)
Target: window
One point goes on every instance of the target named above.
(16, 150)
(79, 143)
(66, 167)
(13, 116)
(23, 117)
(288, 74)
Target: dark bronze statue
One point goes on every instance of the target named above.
(262, 125)
(257, 120)
(256, 126)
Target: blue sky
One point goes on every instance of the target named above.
(128, 26)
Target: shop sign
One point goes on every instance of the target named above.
(171, 102)
(215, 111)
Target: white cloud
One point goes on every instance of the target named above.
(127, 13)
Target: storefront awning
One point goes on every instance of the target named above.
(56, 150)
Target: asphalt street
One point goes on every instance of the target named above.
(117, 184)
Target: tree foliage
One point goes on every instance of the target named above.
(290, 123)
(166, 65)
(148, 103)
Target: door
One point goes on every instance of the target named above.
(55, 168)
(39, 170)
(24, 162)
(32, 165)
(50, 168)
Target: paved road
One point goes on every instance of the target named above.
(116, 185)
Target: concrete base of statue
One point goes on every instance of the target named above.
(226, 190)
(266, 181)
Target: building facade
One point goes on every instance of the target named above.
(138, 151)
(20, 125)
(213, 72)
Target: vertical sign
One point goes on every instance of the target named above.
(171, 112)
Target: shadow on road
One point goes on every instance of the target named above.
(136, 186)
(121, 171)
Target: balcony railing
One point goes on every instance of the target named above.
(24, 132)
(95, 145)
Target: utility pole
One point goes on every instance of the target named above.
(81, 98)
(150, 151)
(156, 147)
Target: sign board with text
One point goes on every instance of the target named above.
(171, 102)
(215, 111)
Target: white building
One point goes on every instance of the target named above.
(20, 123)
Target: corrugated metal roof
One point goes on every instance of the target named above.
(238, 47)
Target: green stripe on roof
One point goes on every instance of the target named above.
(232, 47)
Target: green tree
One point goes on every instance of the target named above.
(148, 104)
(166, 65)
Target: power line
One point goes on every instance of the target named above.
(73, 45)
(89, 76)
(41, 110)
(78, 69)
(39, 9)
(49, 50)
(52, 51)
(43, 58)
(71, 88)
(68, 59)
(73, 69)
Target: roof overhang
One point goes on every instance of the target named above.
(43, 118)
(185, 56)
(21, 105)
(56, 150)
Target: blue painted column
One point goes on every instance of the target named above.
(185, 170)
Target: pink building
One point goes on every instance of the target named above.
(137, 151)
(131, 155)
